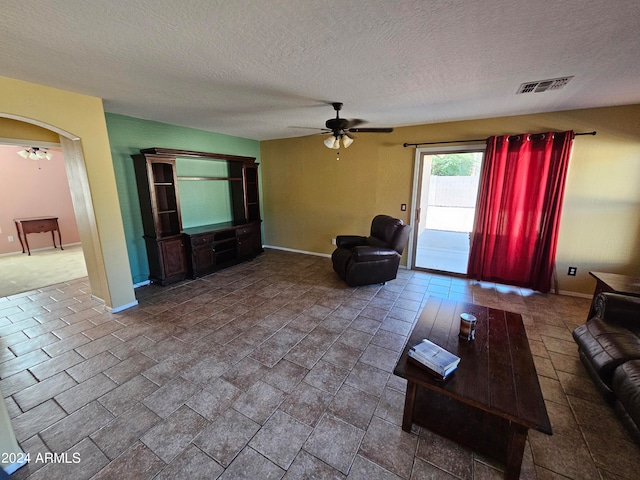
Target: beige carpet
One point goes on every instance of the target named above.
(22, 273)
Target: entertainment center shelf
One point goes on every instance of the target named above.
(209, 178)
(175, 252)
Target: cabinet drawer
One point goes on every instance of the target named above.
(244, 231)
(39, 226)
(201, 239)
(44, 226)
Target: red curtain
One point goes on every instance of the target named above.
(521, 190)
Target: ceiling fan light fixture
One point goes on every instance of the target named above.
(23, 153)
(332, 142)
(340, 128)
(329, 141)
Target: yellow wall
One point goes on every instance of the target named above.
(310, 197)
(15, 130)
(76, 116)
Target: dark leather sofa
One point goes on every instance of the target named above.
(362, 260)
(609, 347)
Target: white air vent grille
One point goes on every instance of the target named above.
(544, 85)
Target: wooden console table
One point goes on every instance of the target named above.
(37, 225)
(493, 398)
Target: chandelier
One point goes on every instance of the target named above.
(35, 153)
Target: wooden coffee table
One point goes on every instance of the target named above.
(491, 401)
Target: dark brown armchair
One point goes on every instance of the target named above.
(374, 259)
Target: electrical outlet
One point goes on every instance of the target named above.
(403, 207)
(333, 241)
(11, 238)
(572, 271)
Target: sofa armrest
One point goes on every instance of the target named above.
(619, 309)
(368, 254)
(350, 241)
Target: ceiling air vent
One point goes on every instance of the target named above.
(544, 85)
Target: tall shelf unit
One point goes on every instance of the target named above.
(175, 252)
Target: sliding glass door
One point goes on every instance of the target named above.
(446, 191)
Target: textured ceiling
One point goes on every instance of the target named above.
(254, 68)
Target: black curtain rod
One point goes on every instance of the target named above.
(477, 140)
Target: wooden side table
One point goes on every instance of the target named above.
(613, 282)
(37, 225)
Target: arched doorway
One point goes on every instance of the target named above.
(81, 196)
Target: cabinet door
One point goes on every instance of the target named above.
(245, 245)
(256, 240)
(173, 258)
(203, 259)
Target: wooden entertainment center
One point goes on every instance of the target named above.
(175, 252)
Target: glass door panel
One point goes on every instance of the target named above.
(447, 204)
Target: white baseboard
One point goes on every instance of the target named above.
(575, 294)
(122, 307)
(326, 255)
(142, 284)
(97, 299)
(38, 249)
(10, 254)
(114, 309)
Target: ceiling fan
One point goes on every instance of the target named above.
(341, 128)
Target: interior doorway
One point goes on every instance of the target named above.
(445, 197)
(31, 187)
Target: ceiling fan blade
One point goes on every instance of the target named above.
(354, 122)
(371, 130)
(308, 128)
(342, 127)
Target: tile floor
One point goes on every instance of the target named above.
(273, 369)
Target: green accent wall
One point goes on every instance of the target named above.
(203, 202)
(127, 135)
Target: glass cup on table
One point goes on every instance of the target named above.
(467, 326)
